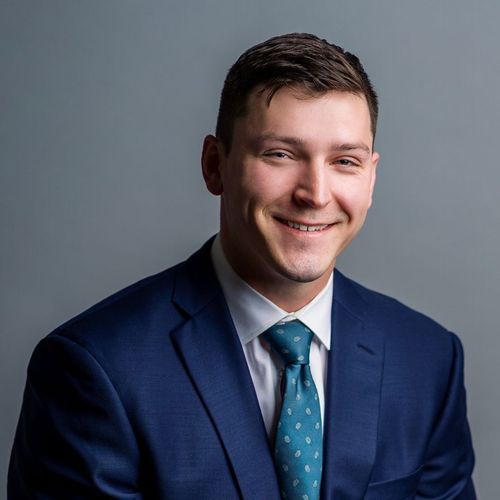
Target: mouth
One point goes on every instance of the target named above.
(300, 226)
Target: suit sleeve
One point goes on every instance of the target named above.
(74, 439)
(450, 460)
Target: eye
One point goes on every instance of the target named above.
(277, 154)
(346, 162)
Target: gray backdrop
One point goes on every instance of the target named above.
(103, 106)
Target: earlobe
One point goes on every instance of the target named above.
(211, 157)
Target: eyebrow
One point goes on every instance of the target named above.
(295, 141)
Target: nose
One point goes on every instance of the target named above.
(313, 186)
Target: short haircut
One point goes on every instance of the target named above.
(295, 60)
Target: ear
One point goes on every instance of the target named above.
(211, 158)
(374, 162)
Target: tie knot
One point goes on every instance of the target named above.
(291, 340)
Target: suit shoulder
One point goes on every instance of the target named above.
(134, 324)
(397, 318)
(414, 343)
(131, 309)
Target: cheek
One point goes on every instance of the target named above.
(353, 198)
(262, 190)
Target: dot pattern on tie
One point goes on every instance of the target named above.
(299, 441)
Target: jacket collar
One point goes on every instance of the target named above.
(195, 282)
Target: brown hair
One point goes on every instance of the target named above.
(295, 59)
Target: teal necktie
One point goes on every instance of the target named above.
(299, 440)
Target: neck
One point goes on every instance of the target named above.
(286, 294)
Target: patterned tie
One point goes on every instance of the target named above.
(299, 440)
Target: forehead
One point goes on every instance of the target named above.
(332, 115)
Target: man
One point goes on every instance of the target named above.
(254, 369)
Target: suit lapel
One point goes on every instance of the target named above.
(212, 354)
(353, 396)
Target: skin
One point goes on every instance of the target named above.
(302, 158)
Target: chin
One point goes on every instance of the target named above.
(306, 272)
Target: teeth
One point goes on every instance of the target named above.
(302, 227)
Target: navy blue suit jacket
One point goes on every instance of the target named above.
(147, 395)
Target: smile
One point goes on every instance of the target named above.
(304, 227)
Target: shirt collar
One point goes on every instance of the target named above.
(252, 313)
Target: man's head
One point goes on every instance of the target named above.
(293, 162)
(298, 60)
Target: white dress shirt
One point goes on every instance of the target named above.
(252, 314)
